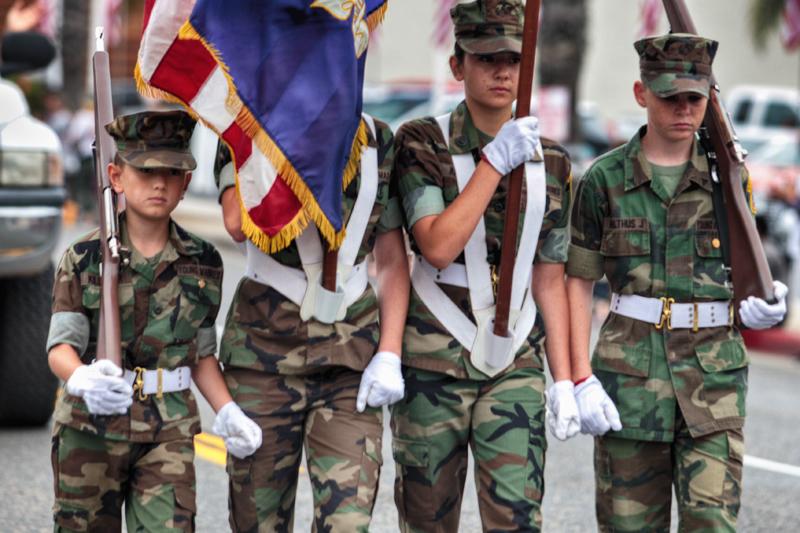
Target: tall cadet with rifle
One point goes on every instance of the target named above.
(669, 355)
(123, 434)
(463, 389)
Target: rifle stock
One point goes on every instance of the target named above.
(108, 335)
(748, 263)
(508, 249)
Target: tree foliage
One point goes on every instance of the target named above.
(765, 19)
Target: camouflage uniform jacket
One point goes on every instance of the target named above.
(168, 305)
(426, 182)
(264, 331)
(646, 242)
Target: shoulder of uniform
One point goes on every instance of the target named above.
(549, 145)
(419, 128)
(87, 243)
(604, 163)
(206, 252)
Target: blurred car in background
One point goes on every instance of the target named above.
(396, 104)
(758, 113)
(32, 195)
(775, 172)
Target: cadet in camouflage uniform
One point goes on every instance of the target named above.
(668, 354)
(451, 404)
(313, 386)
(113, 444)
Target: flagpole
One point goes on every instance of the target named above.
(530, 32)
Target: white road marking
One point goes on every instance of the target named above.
(771, 466)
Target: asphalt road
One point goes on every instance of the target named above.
(771, 487)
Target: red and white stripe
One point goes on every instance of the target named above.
(185, 69)
(649, 17)
(442, 25)
(790, 29)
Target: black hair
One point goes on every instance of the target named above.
(459, 53)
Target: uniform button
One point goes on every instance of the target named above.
(157, 310)
(715, 243)
(201, 284)
(499, 206)
(461, 141)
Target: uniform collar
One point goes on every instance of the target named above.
(638, 171)
(179, 243)
(465, 138)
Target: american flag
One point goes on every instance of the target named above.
(297, 142)
(443, 26)
(649, 17)
(112, 22)
(790, 30)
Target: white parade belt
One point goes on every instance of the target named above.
(159, 381)
(666, 312)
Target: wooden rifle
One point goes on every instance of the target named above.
(748, 263)
(108, 336)
(508, 250)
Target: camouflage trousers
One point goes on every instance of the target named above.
(501, 420)
(343, 451)
(635, 479)
(93, 476)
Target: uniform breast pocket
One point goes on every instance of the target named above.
(92, 298)
(709, 274)
(626, 248)
(197, 298)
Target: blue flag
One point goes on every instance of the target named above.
(297, 67)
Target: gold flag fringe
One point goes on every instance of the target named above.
(377, 16)
(251, 126)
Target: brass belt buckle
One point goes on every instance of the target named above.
(160, 391)
(666, 313)
(138, 383)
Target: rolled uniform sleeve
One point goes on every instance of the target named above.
(69, 323)
(417, 173)
(391, 217)
(554, 236)
(207, 332)
(585, 260)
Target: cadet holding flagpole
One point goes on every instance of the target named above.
(466, 386)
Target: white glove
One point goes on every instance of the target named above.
(598, 412)
(756, 313)
(242, 436)
(514, 144)
(562, 411)
(102, 388)
(382, 382)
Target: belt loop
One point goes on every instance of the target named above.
(160, 389)
(695, 318)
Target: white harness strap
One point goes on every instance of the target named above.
(303, 286)
(489, 353)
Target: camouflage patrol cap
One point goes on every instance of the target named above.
(676, 63)
(489, 26)
(154, 139)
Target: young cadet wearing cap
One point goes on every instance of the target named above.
(317, 384)
(643, 217)
(462, 389)
(112, 445)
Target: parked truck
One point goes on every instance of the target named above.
(32, 195)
